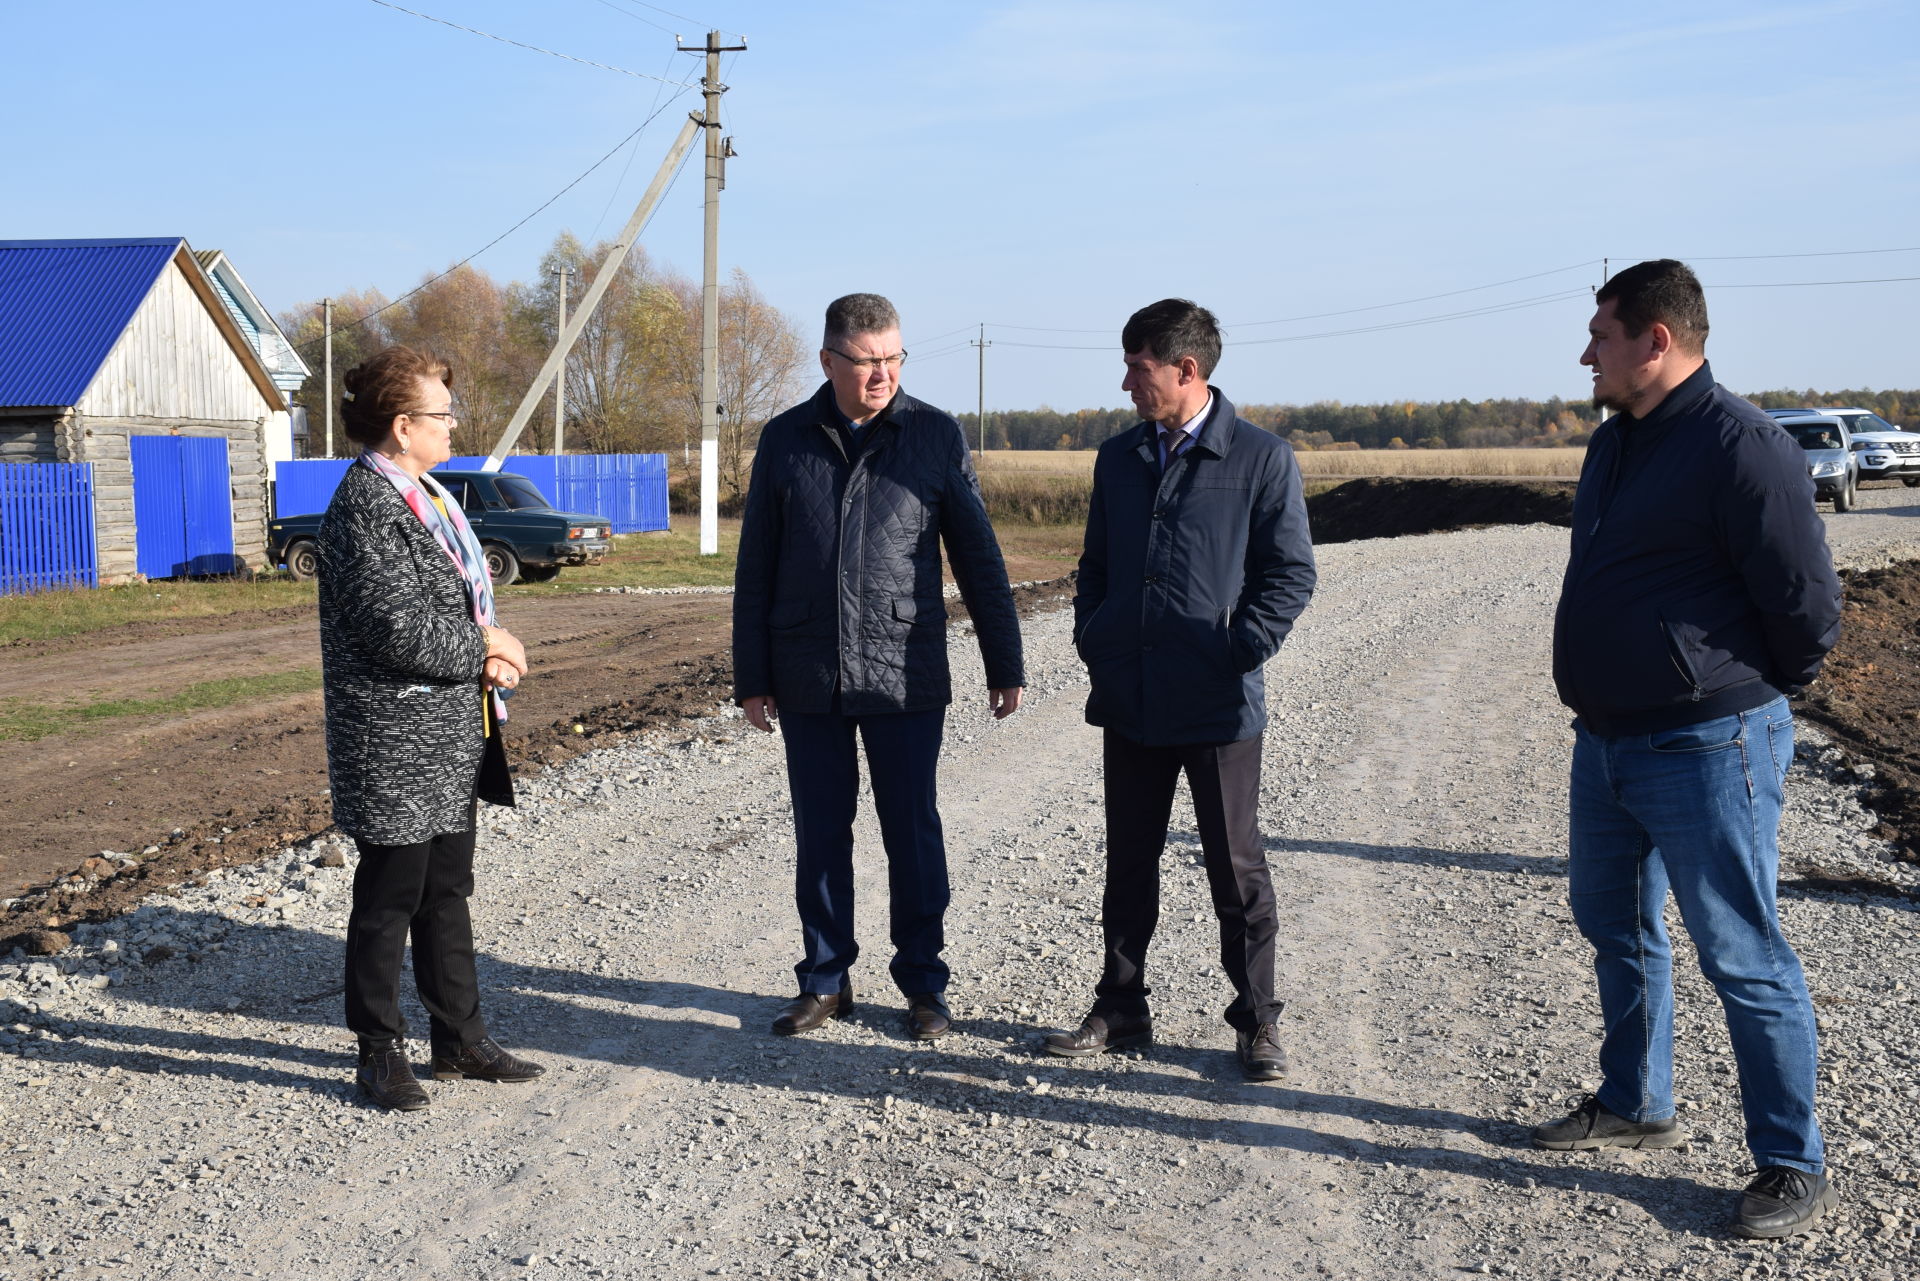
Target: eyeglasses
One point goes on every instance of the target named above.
(868, 364)
(448, 414)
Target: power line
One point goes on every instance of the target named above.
(918, 341)
(621, 9)
(1451, 293)
(503, 235)
(519, 44)
(1803, 284)
(1830, 253)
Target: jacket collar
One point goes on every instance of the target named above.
(1683, 399)
(1215, 438)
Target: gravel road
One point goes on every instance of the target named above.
(178, 1104)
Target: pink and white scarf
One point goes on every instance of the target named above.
(453, 533)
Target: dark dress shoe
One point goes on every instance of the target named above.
(483, 1061)
(810, 1009)
(1099, 1033)
(928, 1018)
(1261, 1057)
(387, 1078)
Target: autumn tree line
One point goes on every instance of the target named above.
(1457, 424)
(632, 379)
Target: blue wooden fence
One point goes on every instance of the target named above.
(630, 490)
(46, 527)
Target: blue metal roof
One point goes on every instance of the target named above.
(63, 305)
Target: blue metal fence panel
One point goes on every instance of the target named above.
(46, 527)
(306, 486)
(182, 506)
(630, 490)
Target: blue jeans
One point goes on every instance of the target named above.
(1695, 811)
(823, 773)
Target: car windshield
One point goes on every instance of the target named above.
(1815, 435)
(519, 493)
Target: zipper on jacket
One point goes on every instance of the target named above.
(1680, 663)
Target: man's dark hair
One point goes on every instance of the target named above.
(858, 314)
(1172, 329)
(1663, 291)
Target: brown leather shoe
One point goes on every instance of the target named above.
(1099, 1033)
(1261, 1057)
(928, 1018)
(483, 1061)
(810, 1009)
(385, 1076)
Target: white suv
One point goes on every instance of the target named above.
(1831, 462)
(1885, 451)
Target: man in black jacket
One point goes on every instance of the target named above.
(1197, 562)
(1699, 594)
(839, 630)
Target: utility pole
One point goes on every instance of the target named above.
(602, 279)
(718, 149)
(326, 365)
(560, 379)
(982, 344)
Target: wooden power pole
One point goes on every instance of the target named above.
(603, 278)
(983, 344)
(718, 149)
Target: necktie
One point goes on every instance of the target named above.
(1174, 440)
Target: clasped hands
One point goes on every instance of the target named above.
(506, 659)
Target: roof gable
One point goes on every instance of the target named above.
(63, 306)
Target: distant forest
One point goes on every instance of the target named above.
(1457, 424)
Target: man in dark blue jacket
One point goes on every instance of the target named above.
(1699, 594)
(1197, 562)
(840, 630)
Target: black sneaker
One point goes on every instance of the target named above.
(1592, 1125)
(1783, 1201)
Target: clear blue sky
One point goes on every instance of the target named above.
(1053, 164)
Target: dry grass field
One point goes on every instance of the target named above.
(1344, 463)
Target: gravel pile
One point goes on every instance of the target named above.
(177, 1098)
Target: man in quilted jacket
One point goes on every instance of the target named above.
(839, 633)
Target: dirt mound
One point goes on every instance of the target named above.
(1392, 507)
(1868, 695)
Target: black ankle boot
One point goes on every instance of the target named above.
(386, 1077)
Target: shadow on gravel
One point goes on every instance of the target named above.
(1426, 856)
(537, 1009)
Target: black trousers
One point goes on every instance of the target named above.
(1225, 781)
(420, 890)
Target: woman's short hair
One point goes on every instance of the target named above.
(386, 385)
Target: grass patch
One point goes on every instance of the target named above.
(66, 611)
(21, 720)
(670, 558)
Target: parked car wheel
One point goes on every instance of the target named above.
(502, 565)
(303, 559)
(539, 573)
(1911, 481)
(1844, 500)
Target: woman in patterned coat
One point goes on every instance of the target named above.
(416, 668)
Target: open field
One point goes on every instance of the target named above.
(1346, 464)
